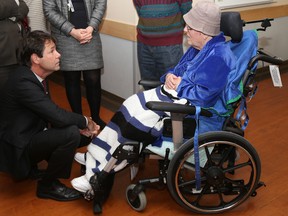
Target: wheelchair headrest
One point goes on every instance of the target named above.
(232, 25)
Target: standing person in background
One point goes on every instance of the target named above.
(12, 12)
(159, 35)
(36, 18)
(76, 27)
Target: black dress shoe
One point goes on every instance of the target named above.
(57, 191)
(36, 173)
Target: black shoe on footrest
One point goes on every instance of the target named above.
(108, 184)
(102, 184)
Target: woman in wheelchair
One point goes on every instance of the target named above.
(198, 79)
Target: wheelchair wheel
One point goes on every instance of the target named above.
(137, 200)
(229, 167)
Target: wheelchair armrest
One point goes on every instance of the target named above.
(176, 108)
(150, 83)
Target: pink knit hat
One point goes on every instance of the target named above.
(205, 17)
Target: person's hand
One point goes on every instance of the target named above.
(76, 33)
(82, 35)
(86, 132)
(93, 127)
(87, 35)
(172, 81)
(90, 30)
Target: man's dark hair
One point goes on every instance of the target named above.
(34, 43)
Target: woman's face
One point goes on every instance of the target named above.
(194, 38)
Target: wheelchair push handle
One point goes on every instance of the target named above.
(176, 108)
(265, 23)
(262, 56)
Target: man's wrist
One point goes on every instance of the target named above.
(88, 120)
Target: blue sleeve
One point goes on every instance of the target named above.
(163, 77)
(181, 67)
(203, 85)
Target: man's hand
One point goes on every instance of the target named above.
(92, 129)
(86, 132)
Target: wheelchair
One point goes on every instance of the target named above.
(209, 173)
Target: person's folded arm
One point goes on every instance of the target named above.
(203, 85)
(56, 18)
(97, 14)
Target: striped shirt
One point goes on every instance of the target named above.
(161, 21)
(36, 16)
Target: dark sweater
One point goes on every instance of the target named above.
(79, 17)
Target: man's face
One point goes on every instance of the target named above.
(50, 61)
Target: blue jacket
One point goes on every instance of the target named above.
(211, 77)
(204, 73)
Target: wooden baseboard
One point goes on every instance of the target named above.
(111, 101)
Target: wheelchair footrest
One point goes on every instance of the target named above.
(127, 151)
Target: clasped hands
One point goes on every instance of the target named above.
(82, 35)
(172, 81)
(92, 129)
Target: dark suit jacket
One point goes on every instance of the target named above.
(25, 110)
(10, 34)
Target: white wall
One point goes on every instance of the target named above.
(120, 73)
(274, 39)
(122, 11)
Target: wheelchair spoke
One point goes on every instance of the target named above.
(220, 195)
(238, 166)
(208, 155)
(227, 154)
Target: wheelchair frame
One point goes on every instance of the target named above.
(226, 180)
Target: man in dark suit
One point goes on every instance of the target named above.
(26, 111)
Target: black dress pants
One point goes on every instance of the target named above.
(92, 81)
(57, 146)
(5, 71)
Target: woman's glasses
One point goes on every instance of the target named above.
(188, 27)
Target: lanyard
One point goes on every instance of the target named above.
(70, 6)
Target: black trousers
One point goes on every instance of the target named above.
(92, 81)
(57, 146)
(5, 71)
